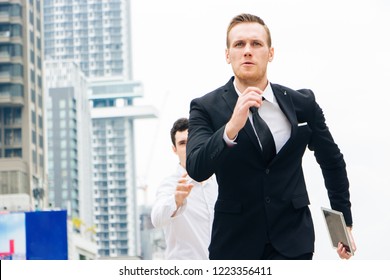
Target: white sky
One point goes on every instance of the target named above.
(339, 49)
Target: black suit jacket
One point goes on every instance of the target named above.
(258, 202)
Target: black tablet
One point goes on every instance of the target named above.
(337, 229)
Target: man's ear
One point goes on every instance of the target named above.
(174, 149)
(271, 54)
(227, 56)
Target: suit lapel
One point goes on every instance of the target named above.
(230, 95)
(285, 103)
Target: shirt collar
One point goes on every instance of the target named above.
(268, 93)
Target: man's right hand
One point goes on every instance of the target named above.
(183, 190)
(251, 97)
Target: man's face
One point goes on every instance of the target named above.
(248, 52)
(180, 149)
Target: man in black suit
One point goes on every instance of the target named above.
(262, 208)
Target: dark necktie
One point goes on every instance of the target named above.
(264, 134)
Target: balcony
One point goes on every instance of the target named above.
(7, 37)
(11, 95)
(5, 17)
(20, 2)
(6, 57)
(6, 78)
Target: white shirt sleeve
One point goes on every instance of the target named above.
(229, 142)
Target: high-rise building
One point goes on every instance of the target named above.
(69, 139)
(96, 34)
(116, 215)
(22, 136)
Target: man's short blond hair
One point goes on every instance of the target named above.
(247, 18)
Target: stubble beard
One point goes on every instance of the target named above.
(252, 79)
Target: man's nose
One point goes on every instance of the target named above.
(247, 49)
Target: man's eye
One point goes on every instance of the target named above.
(239, 44)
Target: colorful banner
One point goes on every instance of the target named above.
(40, 235)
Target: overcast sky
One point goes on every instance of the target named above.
(339, 49)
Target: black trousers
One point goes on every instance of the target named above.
(271, 254)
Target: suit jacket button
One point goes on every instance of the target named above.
(267, 171)
(267, 199)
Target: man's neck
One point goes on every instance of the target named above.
(242, 85)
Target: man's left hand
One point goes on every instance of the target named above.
(342, 251)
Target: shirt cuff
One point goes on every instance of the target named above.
(229, 143)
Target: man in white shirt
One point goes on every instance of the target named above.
(184, 208)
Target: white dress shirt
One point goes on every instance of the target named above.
(271, 113)
(188, 233)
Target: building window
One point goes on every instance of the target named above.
(34, 136)
(41, 160)
(32, 76)
(34, 156)
(62, 104)
(39, 62)
(33, 117)
(13, 136)
(65, 194)
(33, 95)
(32, 18)
(41, 141)
(39, 81)
(32, 57)
(32, 37)
(11, 90)
(10, 153)
(40, 100)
